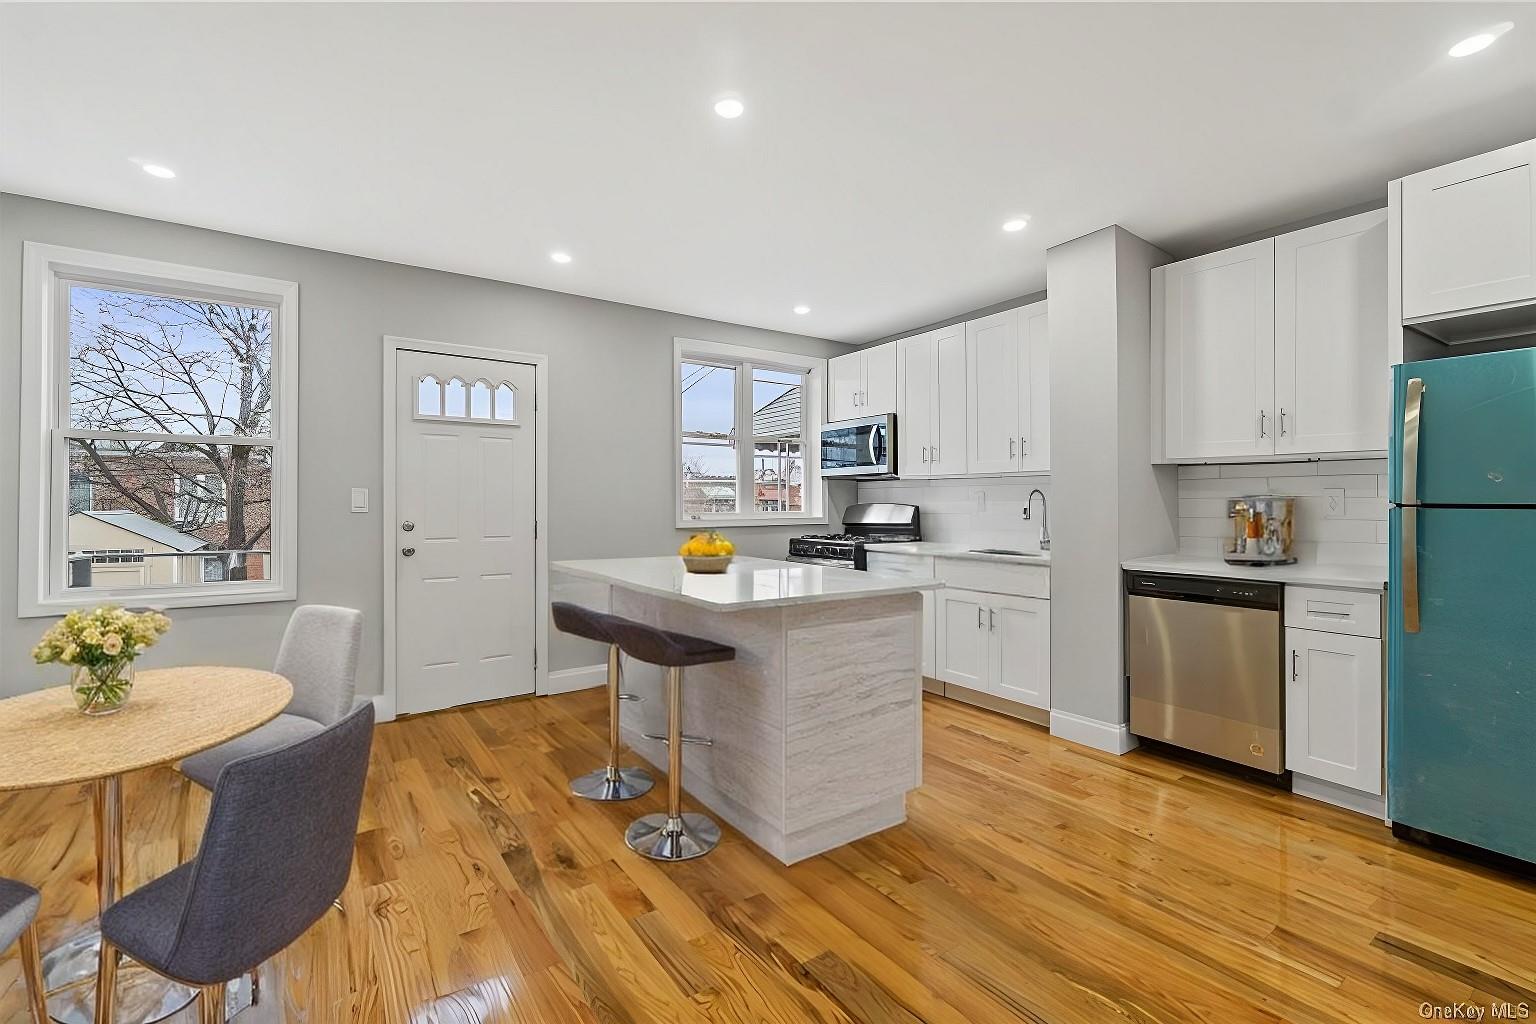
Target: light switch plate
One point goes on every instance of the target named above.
(359, 499)
(1334, 496)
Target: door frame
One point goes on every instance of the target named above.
(392, 348)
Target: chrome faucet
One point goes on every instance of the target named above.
(1045, 517)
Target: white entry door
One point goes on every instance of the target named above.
(464, 495)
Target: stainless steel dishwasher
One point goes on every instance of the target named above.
(1203, 663)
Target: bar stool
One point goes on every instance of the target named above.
(609, 782)
(673, 835)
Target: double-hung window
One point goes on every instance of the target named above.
(159, 420)
(748, 430)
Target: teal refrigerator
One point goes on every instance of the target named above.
(1461, 674)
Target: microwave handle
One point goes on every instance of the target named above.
(873, 433)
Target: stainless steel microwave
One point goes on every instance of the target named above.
(865, 447)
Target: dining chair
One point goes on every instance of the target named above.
(276, 852)
(319, 657)
(18, 913)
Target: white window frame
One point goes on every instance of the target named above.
(44, 497)
(812, 404)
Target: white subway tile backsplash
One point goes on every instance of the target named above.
(1358, 537)
(982, 512)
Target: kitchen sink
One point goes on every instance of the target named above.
(1004, 551)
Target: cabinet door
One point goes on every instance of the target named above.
(1020, 668)
(879, 380)
(914, 413)
(1034, 389)
(1333, 708)
(1331, 337)
(992, 393)
(845, 391)
(1469, 233)
(1219, 353)
(963, 639)
(947, 441)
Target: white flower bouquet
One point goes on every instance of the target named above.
(101, 645)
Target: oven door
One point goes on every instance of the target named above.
(860, 448)
(839, 563)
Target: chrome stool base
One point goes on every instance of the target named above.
(612, 784)
(660, 837)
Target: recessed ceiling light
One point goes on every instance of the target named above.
(1017, 224)
(729, 107)
(158, 171)
(560, 257)
(1481, 41)
(802, 310)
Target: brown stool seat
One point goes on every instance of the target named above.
(663, 647)
(582, 622)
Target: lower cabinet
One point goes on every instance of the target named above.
(1333, 708)
(996, 643)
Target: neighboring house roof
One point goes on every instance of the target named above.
(780, 417)
(147, 528)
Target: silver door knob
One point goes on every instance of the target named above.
(407, 526)
(407, 552)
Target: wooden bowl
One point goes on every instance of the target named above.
(707, 563)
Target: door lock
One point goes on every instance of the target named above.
(407, 526)
(407, 552)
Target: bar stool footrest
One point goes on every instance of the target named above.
(703, 741)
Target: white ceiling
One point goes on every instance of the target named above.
(881, 149)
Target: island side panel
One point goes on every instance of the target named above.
(853, 673)
(738, 704)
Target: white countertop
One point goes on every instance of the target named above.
(747, 583)
(1351, 577)
(946, 550)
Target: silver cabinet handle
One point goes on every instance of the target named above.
(1263, 415)
(1294, 654)
(407, 552)
(1023, 446)
(1010, 447)
(991, 619)
(978, 616)
(1282, 421)
(1413, 409)
(925, 453)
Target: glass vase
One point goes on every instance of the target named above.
(102, 689)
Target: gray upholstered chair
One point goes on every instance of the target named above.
(319, 657)
(276, 853)
(18, 911)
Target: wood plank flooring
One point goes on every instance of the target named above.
(1035, 882)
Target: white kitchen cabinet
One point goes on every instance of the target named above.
(992, 358)
(1218, 339)
(1330, 337)
(964, 645)
(913, 567)
(931, 412)
(998, 644)
(862, 383)
(1034, 389)
(1333, 708)
(1469, 234)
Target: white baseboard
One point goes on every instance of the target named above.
(383, 708)
(1340, 796)
(566, 680)
(1109, 737)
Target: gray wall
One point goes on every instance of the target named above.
(610, 392)
(1108, 501)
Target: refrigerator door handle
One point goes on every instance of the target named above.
(1413, 405)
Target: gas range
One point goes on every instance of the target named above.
(870, 523)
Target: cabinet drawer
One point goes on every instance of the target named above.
(1353, 612)
(907, 566)
(994, 577)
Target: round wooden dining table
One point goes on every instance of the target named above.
(172, 713)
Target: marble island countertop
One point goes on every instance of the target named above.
(1350, 577)
(747, 583)
(944, 549)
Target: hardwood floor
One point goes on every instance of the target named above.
(1036, 881)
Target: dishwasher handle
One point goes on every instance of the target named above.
(1241, 593)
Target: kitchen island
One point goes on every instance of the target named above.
(816, 726)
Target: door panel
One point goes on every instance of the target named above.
(1034, 388)
(1021, 650)
(914, 416)
(879, 380)
(962, 638)
(948, 441)
(1333, 708)
(846, 374)
(1331, 393)
(1462, 693)
(1219, 353)
(1477, 429)
(465, 617)
(992, 394)
(1469, 233)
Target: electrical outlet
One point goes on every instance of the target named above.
(1334, 496)
(980, 498)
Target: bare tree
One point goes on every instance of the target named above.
(161, 365)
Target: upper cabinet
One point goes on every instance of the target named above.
(1469, 234)
(931, 406)
(1277, 347)
(862, 383)
(1007, 359)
